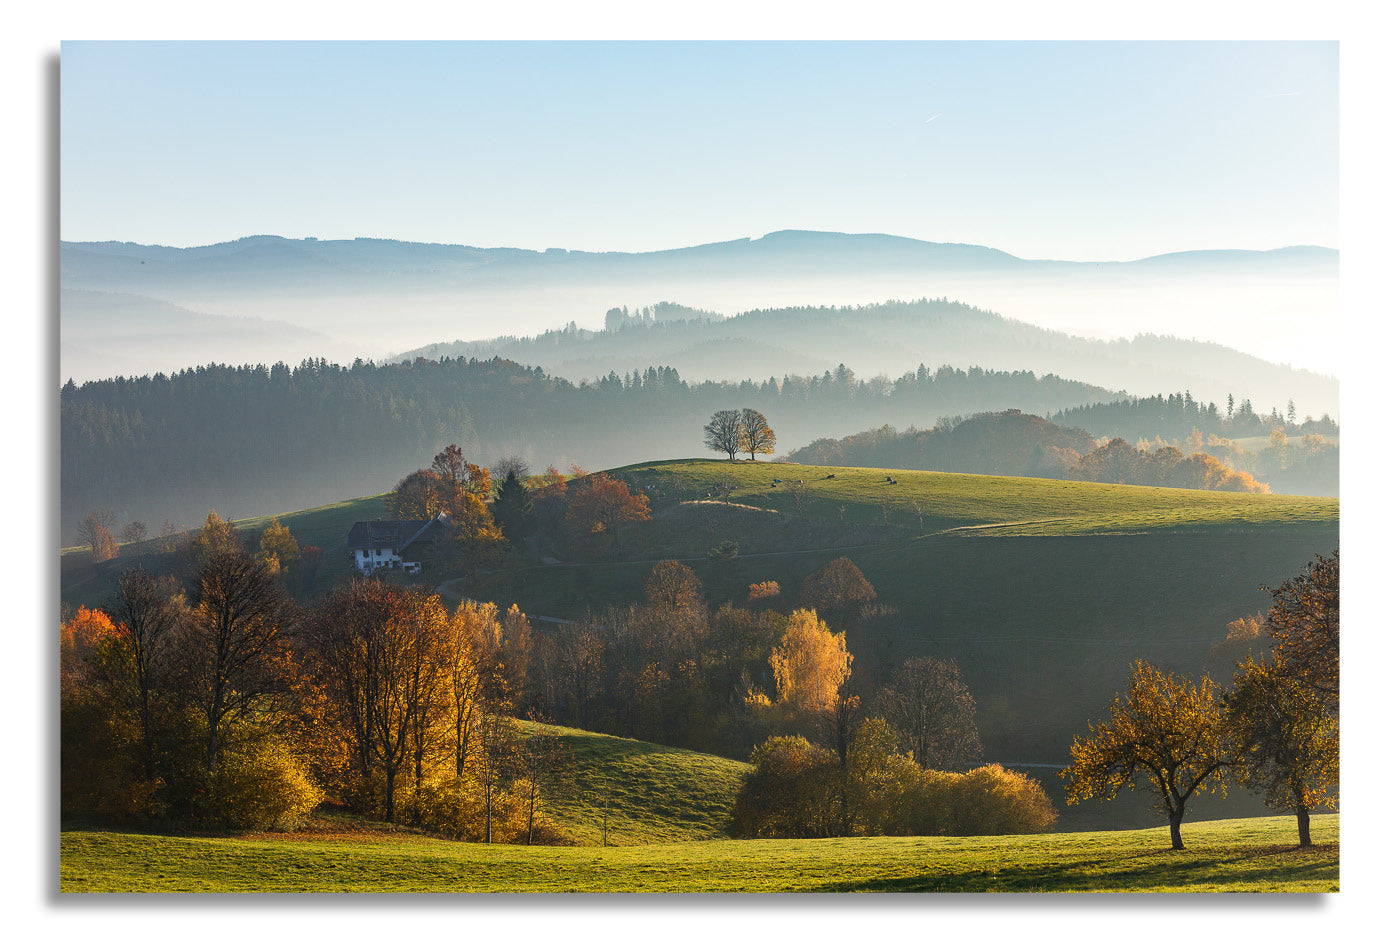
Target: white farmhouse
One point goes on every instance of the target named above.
(394, 544)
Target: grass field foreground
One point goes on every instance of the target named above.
(1250, 855)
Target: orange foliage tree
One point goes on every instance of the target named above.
(600, 504)
(77, 638)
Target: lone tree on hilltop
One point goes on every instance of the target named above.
(724, 433)
(1165, 735)
(755, 435)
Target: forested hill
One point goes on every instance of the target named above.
(255, 440)
(885, 338)
(1299, 458)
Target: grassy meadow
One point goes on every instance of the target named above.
(1251, 855)
(644, 793)
(927, 502)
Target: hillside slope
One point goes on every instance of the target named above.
(646, 793)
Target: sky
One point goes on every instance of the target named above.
(1064, 150)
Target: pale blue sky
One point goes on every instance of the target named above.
(1095, 151)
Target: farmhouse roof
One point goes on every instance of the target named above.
(396, 535)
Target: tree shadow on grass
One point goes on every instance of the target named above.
(1176, 871)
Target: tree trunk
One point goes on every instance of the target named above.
(1175, 817)
(389, 794)
(213, 746)
(488, 813)
(1304, 828)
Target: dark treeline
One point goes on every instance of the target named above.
(1002, 443)
(250, 440)
(1173, 417)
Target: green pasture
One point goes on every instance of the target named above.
(1247, 855)
(927, 502)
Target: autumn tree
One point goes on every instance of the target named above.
(423, 627)
(1304, 624)
(810, 664)
(764, 595)
(451, 464)
(1164, 735)
(581, 669)
(600, 504)
(133, 534)
(98, 752)
(837, 590)
(421, 495)
(148, 610)
(544, 769)
(1244, 637)
(234, 654)
(279, 549)
(474, 540)
(498, 752)
(723, 433)
(467, 630)
(791, 792)
(932, 713)
(78, 637)
(1283, 741)
(374, 650)
(674, 599)
(755, 435)
(217, 536)
(95, 531)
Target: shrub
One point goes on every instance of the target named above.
(791, 793)
(261, 785)
(992, 800)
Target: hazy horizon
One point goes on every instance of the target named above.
(1046, 150)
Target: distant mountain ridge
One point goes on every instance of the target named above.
(891, 339)
(387, 255)
(372, 297)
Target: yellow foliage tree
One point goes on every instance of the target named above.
(1165, 734)
(278, 548)
(811, 664)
